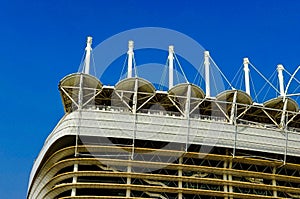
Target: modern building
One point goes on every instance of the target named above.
(131, 140)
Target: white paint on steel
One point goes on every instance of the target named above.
(180, 180)
(274, 182)
(247, 79)
(280, 68)
(74, 181)
(88, 50)
(130, 58)
(171, 66)
(207, 78)
(233, 108)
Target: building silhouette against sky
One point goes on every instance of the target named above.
(131, 140)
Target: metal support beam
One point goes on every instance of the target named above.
(80, 94)
(280, 68)
(74, 181)
(134, 109)
(274, 182)
(130, 58)
(245, 111)
(122, 100)
(247, 79)
(291, 119)
(92, 98)
(197, 106)
(207, 73)
(286, 143)
(230, 189)
(171, 66)
(134, 103)
(235, 131)
(138, 108)
(233, 108)
(283, 114)
(128, 191)
(174, 103)
(222, 111)
(180, 181)
(268, 115)
(187, 114)
(80, 102)
(225, 187)
(87, 60)
(76, 103)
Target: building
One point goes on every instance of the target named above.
(132, 141)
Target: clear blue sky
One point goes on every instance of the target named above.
(42, 41)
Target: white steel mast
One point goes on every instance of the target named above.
(130, 58)
(247, 79)
(207, 78)
(87, 60)
(171, 66)
(280, 68)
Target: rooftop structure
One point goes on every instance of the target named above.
(133, 141)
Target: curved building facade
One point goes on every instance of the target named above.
(132, 141)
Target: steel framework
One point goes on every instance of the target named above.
(132, 141)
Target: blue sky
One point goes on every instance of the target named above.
(42, 41)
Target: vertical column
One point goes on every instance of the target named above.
(286, 143)
(247, 79)
(230, 178)
(128, 191)
(134, 109)
(282, 94)
(180, 180)
(283, 114)
(171, 66)
(135, 95)
(207, 77)
(74, 181)
(130, 58)
(87, 59)
(80, 94)
(187, 114)
(80, 102)
(225, 188)
(274, 182)
(188, 101)
(280, 78)
(233, 107)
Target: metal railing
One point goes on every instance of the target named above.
(212, 118)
